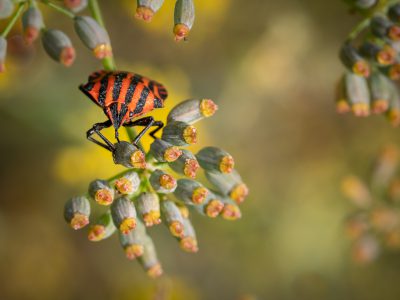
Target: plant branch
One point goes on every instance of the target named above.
(358, 29)
(59, 9)
(13, 20)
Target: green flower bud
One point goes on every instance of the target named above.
(94, 36)
(127, 184)
(32, 22)
(186, 164)
(149, 260)
(123, 213)
(58, 46)
(102, 228)
(383, 55)
(358, 94)
(354, 61)
(3, 53)
(383, 28)
(164, 151)
(147, 8)
(172, 217)
(380, 92)
(129, 155)
(148, 206)
(101, 192)
(183, 18)
(179, 133)
(342, 103)
(189, 241)
(231, 210)
(162, 182)
(394, 13)
(77, 212)
(230, 185)
(215, 159)
(133, 241)
(193, 110)
(211, 207)
(191, 192)
(75, 5)
(6, 8)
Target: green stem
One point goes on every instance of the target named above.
(14, 19)
(358, 29)
(59, 9)
(108, 62)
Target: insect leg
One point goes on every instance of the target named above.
(96, 129)
(147, 122)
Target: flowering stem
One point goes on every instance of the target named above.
(108, 62)
(59, 9)
(14, 19)
(358, 29)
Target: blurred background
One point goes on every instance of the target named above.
(271, 66)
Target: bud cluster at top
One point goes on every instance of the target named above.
(374, 224)
(371, 57)
(161, 186)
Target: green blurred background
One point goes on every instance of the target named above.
(271, 66)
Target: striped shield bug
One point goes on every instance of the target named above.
(123, 96)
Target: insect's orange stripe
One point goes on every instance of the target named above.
(110, 87)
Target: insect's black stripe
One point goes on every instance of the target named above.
(142, 101)
(151, 85)
(89, 86)
(158, 103)
(103, 89)
(118, 84)
(131, 89)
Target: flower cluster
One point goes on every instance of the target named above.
(160, 187)
(55, 42)
(374, 225)
(183, 15)
(371, 56)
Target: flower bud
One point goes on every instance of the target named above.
(231, 210)
(342, 103)
(127, 184)
(192, 110)
(357, 225)
(191, 192)
(6, 8)
(211, 207)
(123, 214)
(77, 211)
(94, 36)
(179, 133)
(133, 241)
(385, 166)
(215, 159)
(162, 182)
(101, 192)
(148, 206)
(384, 219)
(183, 209)
(394, 13)
(392, 71)
(383, 55)
(365, 250)
(149, 260)
(356, 191)
(58, 46)
(358, 94)
(383, 28)
(164, 151)
(183, 18)
(188, 242)
(102, 229)
(75, 5)
(229, 184)
(129, 155)
(364, 4)
(3, 53)
(186, 164)
(32, 22)
(393, 113)
(147, 8)
(380, 92)
(394, 190)
(354, 61)
(172, 217)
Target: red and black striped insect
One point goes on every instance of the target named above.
(123, 96)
